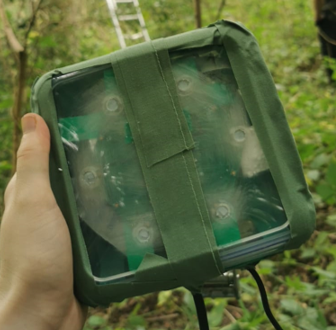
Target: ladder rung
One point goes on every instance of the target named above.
(134, 36)
(128, 17)
(124, 1)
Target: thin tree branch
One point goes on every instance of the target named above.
(198, 13)
(220, 8)
(19, 101)
(162, 317)
(33, 18)
(14, 43)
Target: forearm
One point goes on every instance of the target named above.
(23, 307)
(15, 319)
(19, 315)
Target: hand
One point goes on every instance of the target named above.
(36, 276)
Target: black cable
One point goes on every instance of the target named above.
(264, 299)
(201, 311)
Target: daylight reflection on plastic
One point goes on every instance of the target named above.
(116, 216)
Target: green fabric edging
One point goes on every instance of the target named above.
(267, 115)
(189, 250)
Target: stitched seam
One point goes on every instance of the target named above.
(146, 179)
(186, 165)
(171, 97)
(200, 212)
(130, 102)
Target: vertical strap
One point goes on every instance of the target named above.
(164, 142)
(161, 127)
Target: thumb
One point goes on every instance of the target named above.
(33, 153)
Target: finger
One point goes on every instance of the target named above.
(33, 153)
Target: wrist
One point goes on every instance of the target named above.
(18, 316)
(22, 309)
(16, 320)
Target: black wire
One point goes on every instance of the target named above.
(264, 299)
(201, 311)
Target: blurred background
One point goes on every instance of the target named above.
(38, 36)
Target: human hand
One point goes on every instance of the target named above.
(36, 270)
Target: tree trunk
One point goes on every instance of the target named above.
(21, 55)
(198, 13)
(19, 100)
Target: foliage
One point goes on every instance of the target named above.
(302, 283)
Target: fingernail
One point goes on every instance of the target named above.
(28, 124)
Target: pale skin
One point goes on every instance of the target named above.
(36, 267)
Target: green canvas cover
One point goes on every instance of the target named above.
(164, 145)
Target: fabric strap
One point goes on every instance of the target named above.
(164, 147)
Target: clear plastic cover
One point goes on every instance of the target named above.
(116, 216)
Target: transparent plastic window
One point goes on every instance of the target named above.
(116, 216)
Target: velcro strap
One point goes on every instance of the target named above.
(154, 104)
(164, 142)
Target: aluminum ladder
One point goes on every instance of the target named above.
(116, 18)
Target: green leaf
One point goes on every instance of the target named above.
(136, 321)
(325, 273)
(245, 287)
(47, 42)
(321, 239)
(306, 324)
(332, 266)
(295, 283)
(331, 220)
(317, 199)
(331, 173)
(5, 166)
(163, 297)
(96, 321)
(331, 250)
(216, 314)
(313, 175)
(320, 160)
(291, 306)
(313, 319)
(234, 326)
(312, 290)
(325, 191)
(267, 264)
(136, 308)
(189, 301)
(330, 299)
(266, 267)
(6, 104)
(284, 318)
(308, 253)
